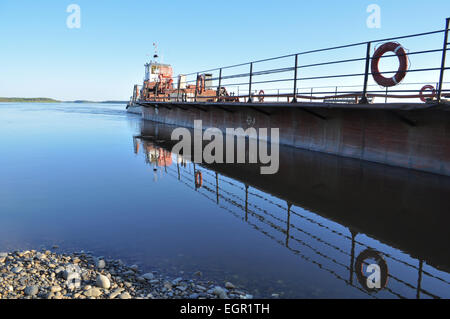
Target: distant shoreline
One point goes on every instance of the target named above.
(49, 100)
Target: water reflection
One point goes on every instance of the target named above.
(327, 210)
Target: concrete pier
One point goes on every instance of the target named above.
(409, 135)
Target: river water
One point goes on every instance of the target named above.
(92, 177)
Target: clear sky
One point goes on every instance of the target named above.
(41, 57)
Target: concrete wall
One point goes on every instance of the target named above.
(416, 138)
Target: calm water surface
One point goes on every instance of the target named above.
(92, 177)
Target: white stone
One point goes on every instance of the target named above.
(93, 292)
(125, 295)
(103, 282)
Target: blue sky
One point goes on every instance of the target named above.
(40, 56)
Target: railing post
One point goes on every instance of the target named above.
(220, 85)
(250, 100)
(246, 202)
(444, 54)
(288, 223)
(366, 76)
(217, 185)
(294, 100)
(178, 91)
(196, 89)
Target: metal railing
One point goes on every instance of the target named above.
(294, 77)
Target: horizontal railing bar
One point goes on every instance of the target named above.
(362, 59)
(362, 74)
(333, 86)
(324, 77)
(321, 50)
(288, 69)
(332, 96)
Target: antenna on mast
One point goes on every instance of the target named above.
(155, 47)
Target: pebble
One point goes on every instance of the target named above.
(115, 293)
(31, 290)
(93, 292)
(47, 275)
(141, 279)
(125, 295)
(17, 270)
(55, 289)
(229, 285)
(220, 292)
(100, 264)
(103, 282)
(135, 268)
(148, 276)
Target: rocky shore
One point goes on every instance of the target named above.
(48, 275)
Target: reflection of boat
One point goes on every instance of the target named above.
(154, 155)
(404, 209)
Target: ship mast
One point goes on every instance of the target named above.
(155, 55)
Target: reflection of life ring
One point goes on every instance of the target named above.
(198, 179)
(261, 96)
(402, 69)
(375, 255)
(427, 87)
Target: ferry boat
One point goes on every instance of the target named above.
(158, 86)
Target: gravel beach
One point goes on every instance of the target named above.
(48, 275)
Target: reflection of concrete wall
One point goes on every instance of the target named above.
(377, 135)
(403, 208)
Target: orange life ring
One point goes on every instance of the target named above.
(427, 87)
(198, 179)
(261, 96)
(402, 69)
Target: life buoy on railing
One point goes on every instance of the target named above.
(402, 69)
(431, 95)
(198, 179)
(261, 96)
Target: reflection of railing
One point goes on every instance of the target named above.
(338, 258)
(293, 77)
